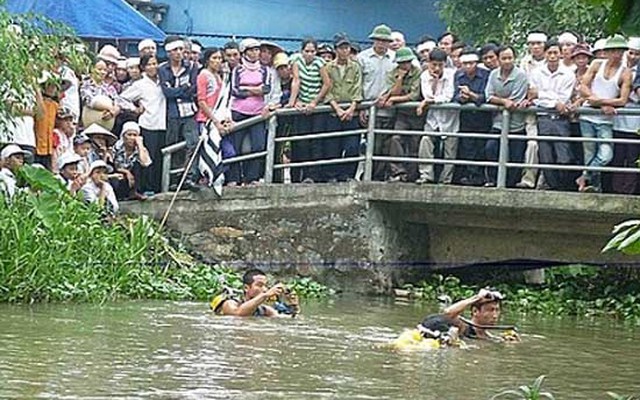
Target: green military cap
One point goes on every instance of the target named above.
(381, 32)
(616, 41)
(404, 54)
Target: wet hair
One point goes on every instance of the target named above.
(506, 47)
(550, 43)
(309, 40)
(437, 55)
(478, 305)
(208, 53)
(231, 45)
(437, 322)
(144, 60)
(248, 276)
(488, 48)
(447, 33)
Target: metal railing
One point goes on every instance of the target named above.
(371, 134)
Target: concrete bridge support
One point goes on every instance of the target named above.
(370, 236)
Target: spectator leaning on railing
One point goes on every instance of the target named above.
(346, 87)
(470, 84)
(551, 87)
(507, 87)
(404, 86)
(163, 98)
(436, 85)
(606, 85)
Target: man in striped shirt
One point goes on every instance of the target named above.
(308, 88)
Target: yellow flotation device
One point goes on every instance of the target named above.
(216, 303)
(412, 340)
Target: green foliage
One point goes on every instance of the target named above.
(308, 288)
(626, 239)
(524, 392)
(54, 247)
(507, 21)
(575, 290)
(30, 45)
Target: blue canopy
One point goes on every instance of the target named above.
(98, 19)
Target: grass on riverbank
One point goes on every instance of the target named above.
(54, 247)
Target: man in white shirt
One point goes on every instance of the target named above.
(551, 87)
(11, 159)
(532, 62)
(437, 87)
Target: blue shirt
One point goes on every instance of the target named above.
(477, 84)
(473, 121)
(179, 90)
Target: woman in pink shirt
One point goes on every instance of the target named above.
(249, 85)
(211, 84)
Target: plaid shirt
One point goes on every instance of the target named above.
(123, 161)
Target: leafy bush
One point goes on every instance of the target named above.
(55, 247)
(575, 290)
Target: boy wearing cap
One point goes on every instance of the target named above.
(404, 86)
(12, 158)
(606, 85)
(98, 190)
(346, 87)
(178, 79)
(69, 174)
(131, 156)
(82, 147)
(437, 87)
(470, 83)
(326, 52)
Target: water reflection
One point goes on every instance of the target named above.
(180, 350)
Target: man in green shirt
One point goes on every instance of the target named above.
(344, 95)
(404, 84)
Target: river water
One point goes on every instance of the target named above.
(179, 350)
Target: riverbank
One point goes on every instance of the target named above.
(580, 291)
(56, 248)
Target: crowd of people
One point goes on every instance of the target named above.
(102, 134)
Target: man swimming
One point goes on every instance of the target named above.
(256, 294)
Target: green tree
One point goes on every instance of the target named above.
(507, 21)
(30, 45)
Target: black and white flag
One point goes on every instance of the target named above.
(210, 157)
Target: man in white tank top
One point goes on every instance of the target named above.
(606, 85)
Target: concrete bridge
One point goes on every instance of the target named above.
(387, 233)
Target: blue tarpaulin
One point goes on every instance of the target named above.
(98, 19)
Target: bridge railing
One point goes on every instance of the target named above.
(371, 134)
